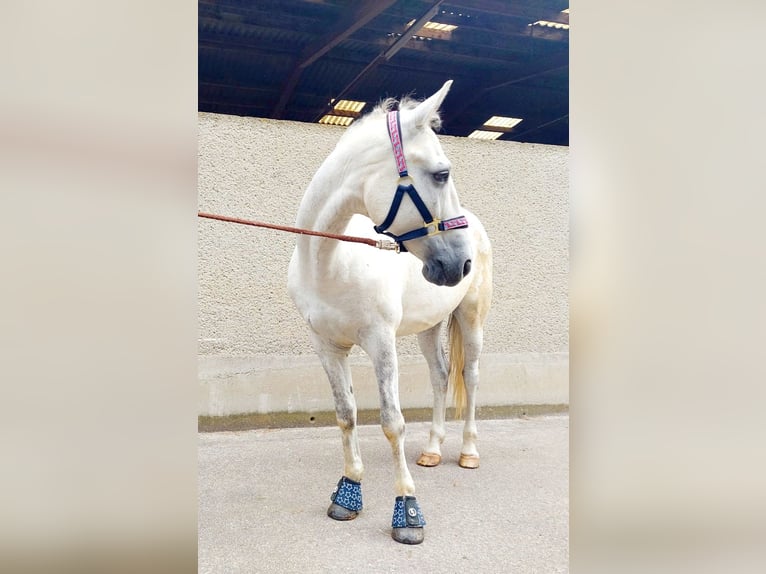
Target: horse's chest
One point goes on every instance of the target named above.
(375, 291)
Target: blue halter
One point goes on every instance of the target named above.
(431, 226)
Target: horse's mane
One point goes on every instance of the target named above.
(390, 104)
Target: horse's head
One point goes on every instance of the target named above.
(400, 205)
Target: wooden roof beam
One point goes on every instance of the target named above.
(389, 52)
(365, 12)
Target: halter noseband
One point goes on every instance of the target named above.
(431, 226)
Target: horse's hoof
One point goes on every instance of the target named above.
(337, 512)
(429, 459)
(469, 460)
(408, 535)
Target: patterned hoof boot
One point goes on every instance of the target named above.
(346, 500)
(429, 459)
(408, 522)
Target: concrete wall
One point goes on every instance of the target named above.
(254, 354)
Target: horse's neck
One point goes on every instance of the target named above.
(330, 201)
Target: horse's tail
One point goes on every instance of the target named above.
(456, 363)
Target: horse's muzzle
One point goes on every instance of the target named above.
(449, 273)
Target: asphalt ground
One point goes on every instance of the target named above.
(263, 495)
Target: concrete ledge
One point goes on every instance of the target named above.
(265, 385)
(366, 417)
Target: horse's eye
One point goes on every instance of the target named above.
(441, 176)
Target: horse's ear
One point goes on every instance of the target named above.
(427, 110)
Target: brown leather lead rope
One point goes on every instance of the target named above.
(379, 243)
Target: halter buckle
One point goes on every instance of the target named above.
(433, 227)
(387, 245)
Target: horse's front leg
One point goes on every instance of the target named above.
(346, 499)
(431, 347)
(407, 522)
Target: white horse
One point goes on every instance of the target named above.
(350, 294)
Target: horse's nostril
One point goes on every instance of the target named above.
(466, 267)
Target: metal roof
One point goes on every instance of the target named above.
(289, 59)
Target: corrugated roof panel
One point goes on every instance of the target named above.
(249, 53)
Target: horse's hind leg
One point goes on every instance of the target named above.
(471, 326)
(347, 497)
(431, 347)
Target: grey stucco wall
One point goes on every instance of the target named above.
(254, 354)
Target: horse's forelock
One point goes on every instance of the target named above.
(406, 103)
(388, 104)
